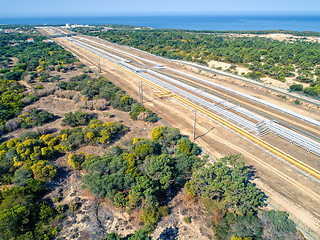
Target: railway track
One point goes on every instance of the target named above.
(268, 110)
(306, 168)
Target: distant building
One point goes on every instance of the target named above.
(30, 40)
(67, 25)
(47, 40)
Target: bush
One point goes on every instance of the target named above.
(35, 118)
(139, 112)
(296, 87)
(100, 104)
(76, 119)
(187, 147)
(312, 91)
(12, 124)
(55, 78)
(39, 87)
(163, 211)
(75, 160)
(278, 226)
(31, 97)
(43, 171)
(5, 70)
(13, 75)
(187, 220)
(44, 77)
(150, 216)
(73, 206)
(21, 176)
(120, 200)
(33, 135)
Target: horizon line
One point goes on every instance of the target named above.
(278, 14)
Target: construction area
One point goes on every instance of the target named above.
(223, 115)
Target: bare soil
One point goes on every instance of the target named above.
(286, 188)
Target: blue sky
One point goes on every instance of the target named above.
(46, 8)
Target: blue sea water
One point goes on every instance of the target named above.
(192, 22)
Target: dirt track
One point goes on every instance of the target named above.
(291, 191)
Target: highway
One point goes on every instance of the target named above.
(214, 108)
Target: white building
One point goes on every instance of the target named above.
(67, 25)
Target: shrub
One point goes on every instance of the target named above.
(39, 86)
(60, 208)
(187, 147)
(296, 87)
(76, 119)
(35, 118)
(150, 216)
(31, 97)
(73, 206)
(139, 112)
(33, 135)
(187, 220)
(43, 77)
(278, 226)
(75, 160)
(5, 70)
(45, 92)
(12, 124)
(100, 104)
(56, 199)
(120, 200)
(163, 211)
(55, 78)
(312, 91)
(43, 171)
(21, 176)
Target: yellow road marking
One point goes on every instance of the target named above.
(251, 137)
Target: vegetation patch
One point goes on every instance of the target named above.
(76, 119)
(263, 56)
(101, 89)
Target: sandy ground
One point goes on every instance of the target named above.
(95, 217)
(287, 189)
(268, 80)
(306, 109)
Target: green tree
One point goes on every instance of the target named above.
(227, 180)
(75, 160)
(13, 221)
(120, 200)
(139, 235)
(277, 225)
(43, 171)
(21, 176)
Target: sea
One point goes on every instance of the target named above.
(191, 22)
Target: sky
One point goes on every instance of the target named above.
(65, 8)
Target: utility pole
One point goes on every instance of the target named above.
(140, 92)
(194, 126)
(99, 66)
